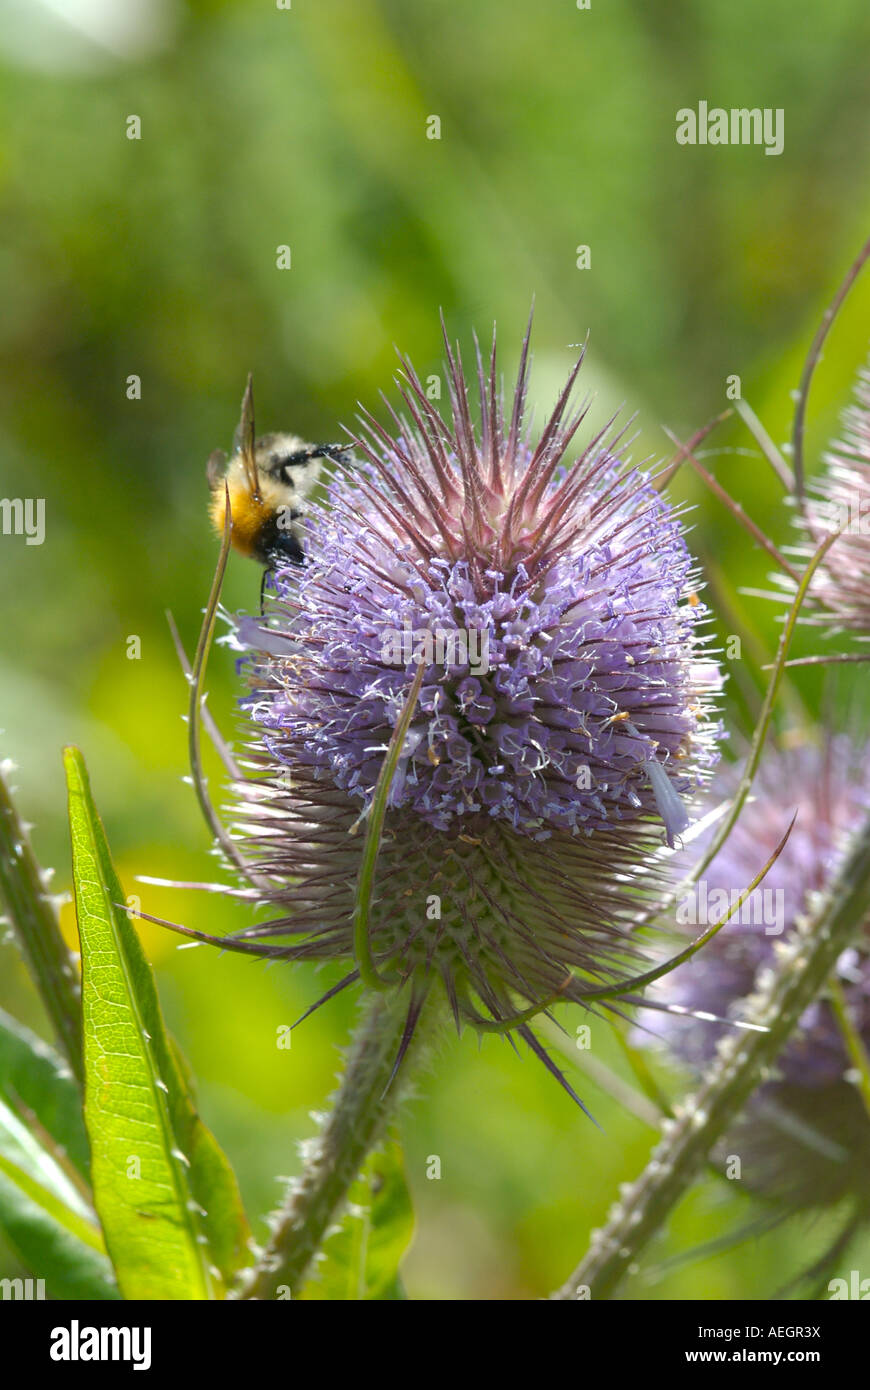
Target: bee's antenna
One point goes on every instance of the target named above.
(245, 436)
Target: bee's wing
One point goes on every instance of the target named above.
(216, 468)
(243, 439)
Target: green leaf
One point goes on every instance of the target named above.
(362, 1258)
(35, 927)
(38, 1085)
(47, 1218)
(165, 1193)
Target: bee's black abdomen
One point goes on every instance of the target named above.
(289, 547)
(280, 545)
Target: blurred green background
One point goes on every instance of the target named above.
(306, 127)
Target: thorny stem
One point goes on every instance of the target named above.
(801, 971)
(363, 1104)
(34, 921)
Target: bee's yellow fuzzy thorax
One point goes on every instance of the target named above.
(249, 513)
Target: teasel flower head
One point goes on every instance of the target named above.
(840, 502)
(804, 1138)
(562, 728)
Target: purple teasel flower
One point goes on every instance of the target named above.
(562, 727)
(804, 1138)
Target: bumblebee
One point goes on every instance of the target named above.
(267, 481)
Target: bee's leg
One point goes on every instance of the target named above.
(285, 551)
(339, 453)
(318, 451)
